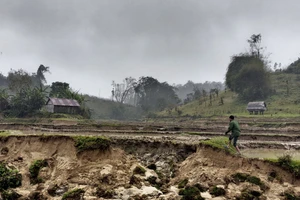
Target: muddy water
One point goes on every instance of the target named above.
(270, 153)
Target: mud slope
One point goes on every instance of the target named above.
(213, 168)
(66, 168)
(123, 170)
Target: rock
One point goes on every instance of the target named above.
(286, 184)
(106, 170)
(169, 196)
(297, 190)
(37, 195)
(205, 195)
(61, 190)
(150, 173)
(221, 186)
(218, 198)
(45, 173)
(174, 189)
(150, 191)
(136, 181)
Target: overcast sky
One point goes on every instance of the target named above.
(89, 43)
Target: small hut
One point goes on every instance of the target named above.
(58, 105)
(257, 107)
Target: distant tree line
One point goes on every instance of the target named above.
(147, 93)
(23, 94)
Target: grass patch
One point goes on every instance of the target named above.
(83, 143)
(9, 178)
(73, 194)
(139, 170)
(219, 143)
(183, 183)
(4, 133)
(34, 170)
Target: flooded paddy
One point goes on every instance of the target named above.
(270, 153)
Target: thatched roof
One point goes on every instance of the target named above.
(257, 106)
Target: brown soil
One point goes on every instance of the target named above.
(112, 170)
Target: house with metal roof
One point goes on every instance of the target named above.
(59, 105)
(257, 107)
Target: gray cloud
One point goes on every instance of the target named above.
(90, 43)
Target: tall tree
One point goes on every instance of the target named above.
(19, 80)
(153, 95)
(124, 92)
(40, 73)
(255, 45)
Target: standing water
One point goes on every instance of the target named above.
(270, 153)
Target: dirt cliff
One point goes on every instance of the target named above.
(135, 170)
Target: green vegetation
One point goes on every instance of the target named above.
(216, 191)
(107, 109)
(10, 195)
(190, 193)
(243, 177)
(219, 143)
(290, 195)
(73, 194)
(83, 143)
(34, 170)
(249, 195)
(9, 178)
(287, 163)
(139, 170)
(183, 183)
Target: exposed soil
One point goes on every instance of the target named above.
(168, 151)
(110, 174)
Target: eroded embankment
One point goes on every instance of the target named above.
(96, 168)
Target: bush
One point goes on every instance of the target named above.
(9, 178)
(10, 195)
(285, 160)
(190, 193)
(83, 143)
(34, 170)
(216, 191)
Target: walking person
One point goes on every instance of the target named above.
(235, 133)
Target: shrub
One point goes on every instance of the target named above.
(83, 143)
(190, 193)
(34, 170)
(240, 177)
(10, 195)
(216, 191)
(9, 178)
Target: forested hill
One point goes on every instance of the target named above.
(284, 100)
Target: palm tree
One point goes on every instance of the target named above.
(40, 73)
